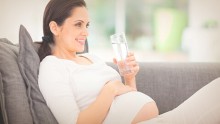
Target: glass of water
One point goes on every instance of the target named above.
(120, 48)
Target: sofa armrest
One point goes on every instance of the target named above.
(169, 84)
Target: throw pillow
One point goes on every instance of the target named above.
(3, 114)
(14, 102)
(28, 61)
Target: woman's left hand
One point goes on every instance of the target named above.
(132, 64)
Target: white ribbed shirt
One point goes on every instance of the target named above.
(69, 87)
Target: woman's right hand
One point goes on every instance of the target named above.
(118, 88)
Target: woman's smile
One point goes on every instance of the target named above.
(81, 41)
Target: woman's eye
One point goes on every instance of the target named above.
(87, 26)
(78, 25)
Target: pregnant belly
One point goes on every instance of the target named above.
(125, 107)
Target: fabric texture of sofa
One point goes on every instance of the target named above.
(21, 102)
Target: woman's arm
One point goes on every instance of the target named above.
(131, 82)
(98, 110)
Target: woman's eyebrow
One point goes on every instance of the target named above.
(80, 21)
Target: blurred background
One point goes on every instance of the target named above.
(156, 30)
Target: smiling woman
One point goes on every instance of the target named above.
(80, 88)
(68, 35)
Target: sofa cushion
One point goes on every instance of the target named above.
(3, 114)
(14, 89)
(28, 61)
(203, 107)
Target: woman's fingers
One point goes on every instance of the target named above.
(126, 89)
(119, 88)
(115, 61)
(132, 63)
(130, 54)
(130, 58)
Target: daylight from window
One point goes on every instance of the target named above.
(156, 30)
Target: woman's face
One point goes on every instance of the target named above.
(72, 34)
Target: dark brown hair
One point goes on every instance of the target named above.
(58, 11)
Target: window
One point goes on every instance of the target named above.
(153, 28)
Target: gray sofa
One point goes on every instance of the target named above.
(169, 84)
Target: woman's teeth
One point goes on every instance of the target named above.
(81, 41)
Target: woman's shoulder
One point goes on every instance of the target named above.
(51, 65)
(51, 62)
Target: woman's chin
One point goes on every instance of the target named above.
(80, 51)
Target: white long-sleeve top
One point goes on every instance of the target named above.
(69, 87)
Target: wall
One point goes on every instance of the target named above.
(26, 12)
(201, 11)
(202, 37)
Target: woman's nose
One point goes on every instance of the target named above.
(85, 32)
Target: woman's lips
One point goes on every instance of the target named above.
(81, 41)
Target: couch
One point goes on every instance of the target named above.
(169, 84)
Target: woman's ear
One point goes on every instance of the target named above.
(54, 28)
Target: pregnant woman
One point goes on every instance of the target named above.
(80, 88)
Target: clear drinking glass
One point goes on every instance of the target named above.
(120, 48)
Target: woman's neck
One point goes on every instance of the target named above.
(64, 54)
